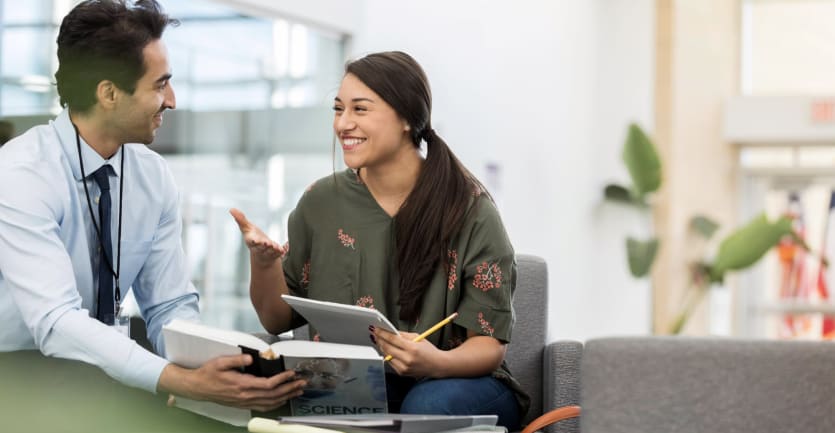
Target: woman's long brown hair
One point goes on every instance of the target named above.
(436, 208)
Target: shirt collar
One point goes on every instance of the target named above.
(92, 160)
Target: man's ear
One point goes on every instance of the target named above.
(107, 94)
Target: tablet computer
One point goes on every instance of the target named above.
(340, 323)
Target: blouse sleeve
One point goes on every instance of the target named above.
(488, 274)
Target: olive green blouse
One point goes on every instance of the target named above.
(342, 249)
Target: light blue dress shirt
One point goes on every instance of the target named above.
(49, 252)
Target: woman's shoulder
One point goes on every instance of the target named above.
(483, 210)
(484, 223)
(326, 190)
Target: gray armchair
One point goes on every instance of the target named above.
(665, 384)
(681, 384)
(549, 373)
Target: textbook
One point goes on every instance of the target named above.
(340, 323)
(342, 379)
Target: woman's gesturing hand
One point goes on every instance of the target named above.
(263, 250)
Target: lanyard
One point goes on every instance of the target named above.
(115, 272)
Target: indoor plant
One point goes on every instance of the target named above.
(740, 249)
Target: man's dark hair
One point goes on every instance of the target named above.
(103, 40)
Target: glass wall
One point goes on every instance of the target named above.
(28, 59)
(251, 130)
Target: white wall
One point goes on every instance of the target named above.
(544, 89)
(625, 66)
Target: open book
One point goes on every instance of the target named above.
(342, 379)
(340, 323)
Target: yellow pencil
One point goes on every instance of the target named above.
(429, 331)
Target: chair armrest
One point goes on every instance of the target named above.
(551, 417)
(561, 380)
(561, 374)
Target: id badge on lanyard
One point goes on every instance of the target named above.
(121, 323)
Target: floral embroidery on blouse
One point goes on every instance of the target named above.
(485, 325)
(453, 267)
(366, 301)
(488, 276)
(347, 240)
(306, 273)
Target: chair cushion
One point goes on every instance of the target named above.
(667, 384)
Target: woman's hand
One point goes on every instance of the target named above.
(267, 282)
(477, 356)
(263, 250)
(410, 358)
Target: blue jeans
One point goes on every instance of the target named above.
(454, 396)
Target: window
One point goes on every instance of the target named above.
(251, 130)
(788, 56)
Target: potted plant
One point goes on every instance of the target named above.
(740, 249)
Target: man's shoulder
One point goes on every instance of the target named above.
(35, 166)
(149, 163)
(39, 144)
(144, 154)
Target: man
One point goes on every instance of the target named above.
(84, 216)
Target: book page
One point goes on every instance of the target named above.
(221, 335)
(191, 344)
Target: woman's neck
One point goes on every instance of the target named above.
(391, 183)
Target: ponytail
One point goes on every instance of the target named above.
(431, 216)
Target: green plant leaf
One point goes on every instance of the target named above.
(640, 254)
(617, 193)
(748, 244)
(704, 226)
(642, 161)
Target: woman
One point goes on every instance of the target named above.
(416, 238)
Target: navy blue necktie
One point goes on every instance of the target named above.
(105, 300)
